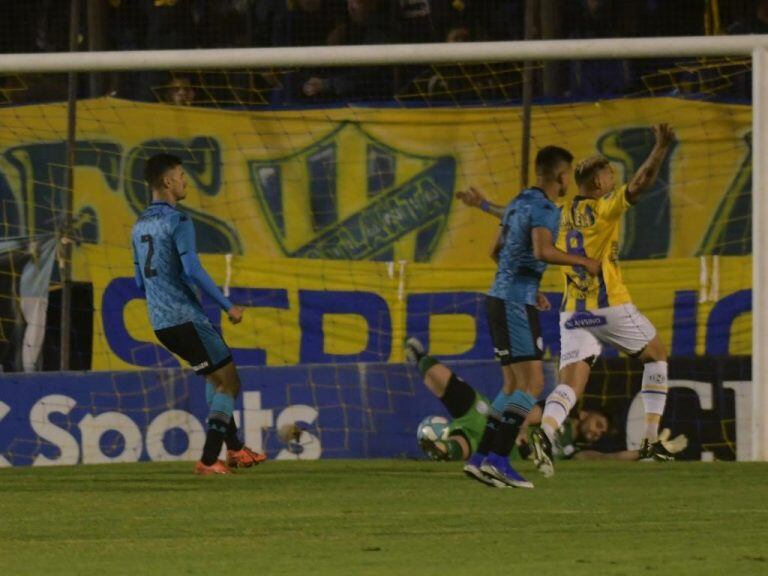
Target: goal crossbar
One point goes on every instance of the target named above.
(384, 54)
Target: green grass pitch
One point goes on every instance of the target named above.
(384, 517)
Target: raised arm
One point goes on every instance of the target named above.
(648, 172)
(474, 198)
(545, 250)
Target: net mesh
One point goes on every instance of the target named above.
(352, 410)
(331, 216)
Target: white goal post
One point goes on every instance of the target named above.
(755, 46)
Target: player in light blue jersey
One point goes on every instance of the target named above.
(523, 247)
(169, 272)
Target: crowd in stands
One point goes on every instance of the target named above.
(41, 26)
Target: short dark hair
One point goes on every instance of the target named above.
(587, 169)
(549, 157)
(157, 166)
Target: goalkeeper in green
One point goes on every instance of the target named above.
(469, 409)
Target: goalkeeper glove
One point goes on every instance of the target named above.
(673, 445)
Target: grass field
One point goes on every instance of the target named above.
(384, 517)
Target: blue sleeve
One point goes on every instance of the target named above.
(136, 269)
(504, 225)
(184, 238)
(545, 215)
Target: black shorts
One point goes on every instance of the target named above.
(198, 343)
(515, 331)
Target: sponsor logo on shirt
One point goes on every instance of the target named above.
(585, 320)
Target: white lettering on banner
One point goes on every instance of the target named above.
(310, 444)
(49, 432)
(636, 414)
(4, 410)
(92, 428)
(742, 392)
(255, 421)
(169, 420)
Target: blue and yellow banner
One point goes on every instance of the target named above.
(343, 229)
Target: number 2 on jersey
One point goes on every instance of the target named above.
(149, 272)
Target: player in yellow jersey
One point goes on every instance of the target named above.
(598, 310)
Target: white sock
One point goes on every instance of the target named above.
(654, 397)
(559, 403)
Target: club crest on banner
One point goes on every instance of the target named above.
(349, 196)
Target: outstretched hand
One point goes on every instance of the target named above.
(664, 133)
(673, 445)
(471, 197)
(235, 314)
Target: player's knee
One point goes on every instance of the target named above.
(535, 385)
(233, 385)
(228, 387)
(576, 375)
(510, 382)
(226, 381)
(656, 351)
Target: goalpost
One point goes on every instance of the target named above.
(755, 47)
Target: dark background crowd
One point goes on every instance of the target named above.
(42, 26)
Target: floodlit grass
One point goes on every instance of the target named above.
(384, 517)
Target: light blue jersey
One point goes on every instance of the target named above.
(519, 272)
(167, 267)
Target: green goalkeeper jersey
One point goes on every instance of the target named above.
(471, 425)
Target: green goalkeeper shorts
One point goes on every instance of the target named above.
(472, 424)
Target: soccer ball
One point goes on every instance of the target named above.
(433, 428)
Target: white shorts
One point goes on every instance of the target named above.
(582, 334)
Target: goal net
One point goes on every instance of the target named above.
(324, 201)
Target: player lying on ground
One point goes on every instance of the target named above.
(469, 409)
(169, 272)
(598, 310)
(523, 248)
(583, 428)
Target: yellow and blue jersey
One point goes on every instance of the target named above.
(519, 272)
(590, 227)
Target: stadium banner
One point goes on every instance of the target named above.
(309, 311)
(358, 204)
(365, 410)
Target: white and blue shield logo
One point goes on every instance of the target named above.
(349, 196)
